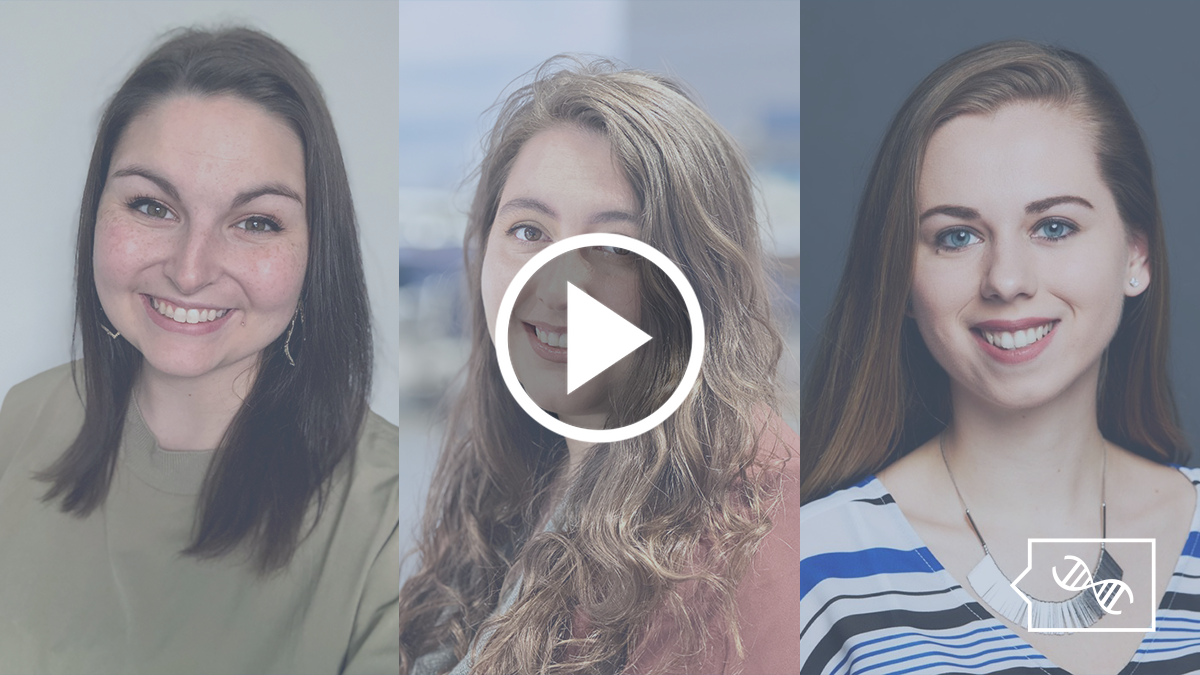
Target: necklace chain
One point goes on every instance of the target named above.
(978, 535)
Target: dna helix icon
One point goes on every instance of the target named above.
(1106, 591)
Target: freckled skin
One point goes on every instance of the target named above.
(198, 251)
(997, 165)
(575, 174)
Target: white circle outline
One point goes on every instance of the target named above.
(505, 358)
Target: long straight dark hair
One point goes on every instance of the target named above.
(297, 424)
(874, 391)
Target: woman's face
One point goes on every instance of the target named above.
(1022, 262)
(201, 234)
(564, 182)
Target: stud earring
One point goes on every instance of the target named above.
(1133, 281)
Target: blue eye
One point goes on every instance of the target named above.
(1055, 228)
(957, 238)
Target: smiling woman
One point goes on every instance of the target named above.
(993, 376)
(208, 479)
(669, 552)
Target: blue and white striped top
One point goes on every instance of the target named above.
(875, 601)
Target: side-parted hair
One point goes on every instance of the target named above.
(297, 424)
(652, 524)
(874, 392)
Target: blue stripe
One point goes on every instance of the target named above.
(865, 563)
(976, 665)
(899, 636)
(958, 663)
(1192, 547)
(864, 481)
(1175, 618)
(935, 643)
(1168, 649)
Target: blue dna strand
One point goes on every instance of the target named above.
(1106, 591)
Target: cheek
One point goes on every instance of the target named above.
(119, 251)
(625, 298)
(274, 276)
(493, 280)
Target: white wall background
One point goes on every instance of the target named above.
(59, 64)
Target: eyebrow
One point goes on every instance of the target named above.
(613, 216)
(1040, 206)
(961, 212)
(1043, 205)
(242, 198)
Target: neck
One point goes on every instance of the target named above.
(575, 453)
(191, 413)
(1033, 462)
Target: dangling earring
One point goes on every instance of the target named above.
(111, 334)
(288, 340)
(1133, 281)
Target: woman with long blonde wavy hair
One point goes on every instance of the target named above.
(673, 551)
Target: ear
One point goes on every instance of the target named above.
(1137, 272)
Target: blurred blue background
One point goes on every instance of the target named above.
(458, 58)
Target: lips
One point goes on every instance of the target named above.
(539, 339)
(1014, 342)
(183, 319)
(183, 314)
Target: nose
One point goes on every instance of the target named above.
(194, 260)
(552, 279)
(1009, 270)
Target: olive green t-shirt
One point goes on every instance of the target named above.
(110, 593)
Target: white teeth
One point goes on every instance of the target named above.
(553, 339)
(1017, 339)
(181, 315)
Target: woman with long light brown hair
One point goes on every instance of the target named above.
(994, 372)
(673, 551)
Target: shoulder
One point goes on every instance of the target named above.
(373, 487)
(857, 541)
(46, 403)
(379, 444)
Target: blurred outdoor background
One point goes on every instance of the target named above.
(458, 58)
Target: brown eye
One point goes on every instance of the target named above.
(527, 233)
(259, 224)
(152, 208)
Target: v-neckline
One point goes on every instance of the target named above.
(957, 588)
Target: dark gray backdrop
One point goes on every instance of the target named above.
(860, 59)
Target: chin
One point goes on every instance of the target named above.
(184, 365)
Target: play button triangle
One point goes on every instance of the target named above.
(599, 337)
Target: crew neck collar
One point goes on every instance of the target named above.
(173, 472)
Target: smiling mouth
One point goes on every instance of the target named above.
(184, 314)
(1016, 339)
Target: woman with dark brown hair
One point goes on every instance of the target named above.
(207, 489)
(994, 372)
(669, 552)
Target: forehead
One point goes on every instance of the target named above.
(1021, 153)
(572, 169)
(221, 138)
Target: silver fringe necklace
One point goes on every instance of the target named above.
(1081, 610)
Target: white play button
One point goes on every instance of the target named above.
(599, 337)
